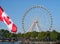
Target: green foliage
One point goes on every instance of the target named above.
(53, 35)
(12, 35)
(27, 35)
(19, 35)
(4, 33)
(41, 36)
(58, 36)
(34, 34)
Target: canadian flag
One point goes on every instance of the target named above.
(6, 19)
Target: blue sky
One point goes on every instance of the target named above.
(16, 9)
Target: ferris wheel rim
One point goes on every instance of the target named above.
(38, 6)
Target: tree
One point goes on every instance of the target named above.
(4, 33)
(27, 35)
(19, 35)
(42, 35)
(58, 36)
(34, 34)
(53, 35)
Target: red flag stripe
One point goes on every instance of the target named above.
(1, 11)
(5, 18)
(14, 28)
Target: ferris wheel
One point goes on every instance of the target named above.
(43, 9)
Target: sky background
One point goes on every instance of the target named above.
(16, 9)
